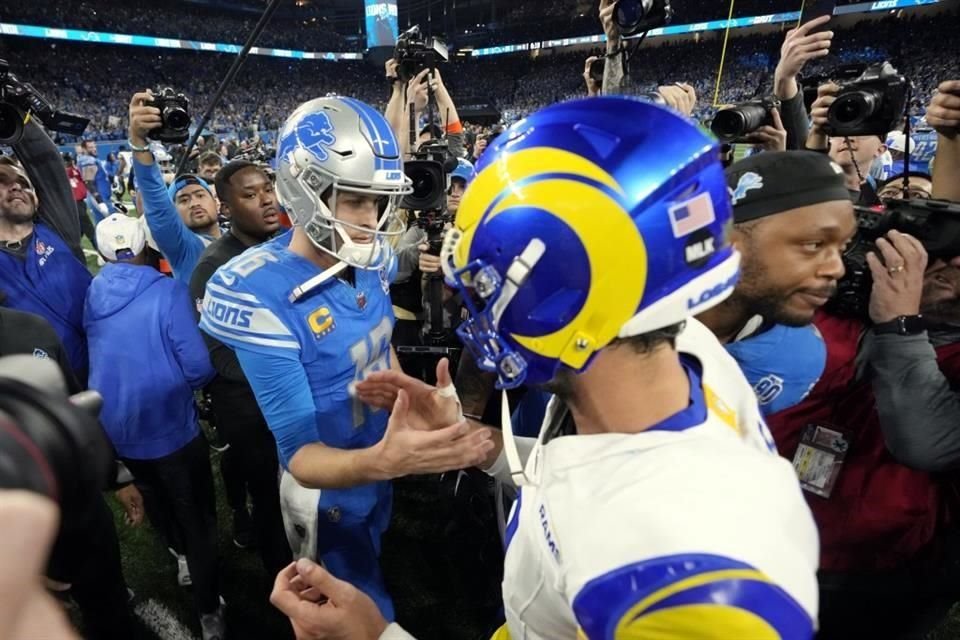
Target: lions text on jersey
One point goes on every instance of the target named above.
(693, 528)
(301, 360)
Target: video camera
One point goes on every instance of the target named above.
(51, 444)
(17, 99)
(637, 16)
(734, 124)
(935, 223)
(428, 170)
(871, 104)
(174, 112)
(414, 53)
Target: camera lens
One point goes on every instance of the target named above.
(176, 118)
(736, 122)
(423, 184)
(852, 109)
(11, 124)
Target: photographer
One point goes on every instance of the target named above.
(183, 217)
(42, 270)
(854, 154)
(85, 558)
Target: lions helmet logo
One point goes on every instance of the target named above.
(747, 182)
(314, 132)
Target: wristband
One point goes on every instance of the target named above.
(134, 147)
(454, 127)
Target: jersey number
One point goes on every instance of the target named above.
(248, 265)
(369, 355)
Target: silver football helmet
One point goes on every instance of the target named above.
(335, 144)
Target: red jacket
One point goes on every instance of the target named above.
(880, 513)
(76, 183)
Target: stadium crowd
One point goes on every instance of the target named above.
(90, 80)
(448, 374)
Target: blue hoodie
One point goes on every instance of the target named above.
(146, 359)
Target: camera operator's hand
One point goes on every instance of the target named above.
(799, 47)
(129, 496)
(479, 147)
(26, 610)
(322, 607)
(680, 96)
(143, 119)
(417, 91)
(771, 138)
(826, 95)
(428, 263)
(610, 27)
(593, 87)
(943, 113)
(391, 68)
(407, 449)
(898, 279)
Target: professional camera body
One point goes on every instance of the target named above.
(871, 104)
(17, 99)
(637, 16)
(415, 53)
(51, 444)
(174, 111)
(935, 223)
(734, 124)
(429, 170)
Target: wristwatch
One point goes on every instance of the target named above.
(902, 326)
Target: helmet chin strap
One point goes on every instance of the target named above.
(349, 251)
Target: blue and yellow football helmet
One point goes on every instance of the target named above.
(590, 220)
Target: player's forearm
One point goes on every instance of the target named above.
(317, 466)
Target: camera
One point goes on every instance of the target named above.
(935, 223)
(871, 104)
(636, 16)
(17, 99)
(428, 171)
(596, 70)
(174, 112)
(51, 444)
(735, 123)
(415, 53)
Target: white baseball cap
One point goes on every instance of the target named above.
(897, 141)
(120, 237)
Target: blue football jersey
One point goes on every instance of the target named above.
(782, 364)
(101, 180)
(925, 147)
(339, 334)
(301, 360)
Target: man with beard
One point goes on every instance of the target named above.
(247, 198)
(868, 440)
(181, 218)
(41, 262)
(792, 219)
(96, 177)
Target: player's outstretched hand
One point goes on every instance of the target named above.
(430, 407)
(321, 607)
(408, 450)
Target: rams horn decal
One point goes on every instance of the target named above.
(590, 202)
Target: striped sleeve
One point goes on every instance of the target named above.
(237, 317)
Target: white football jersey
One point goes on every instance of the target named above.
(691, 529)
